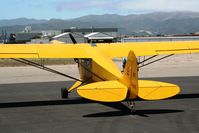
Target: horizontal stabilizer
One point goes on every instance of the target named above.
(153, 90)
(107, 91)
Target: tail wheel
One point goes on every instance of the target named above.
(64, 93)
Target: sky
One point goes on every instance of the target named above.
(68, 9)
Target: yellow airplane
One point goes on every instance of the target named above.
(100, 79)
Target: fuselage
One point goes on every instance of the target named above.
(91, 72)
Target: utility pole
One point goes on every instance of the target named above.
(5, 37)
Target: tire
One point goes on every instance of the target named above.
(64, 93)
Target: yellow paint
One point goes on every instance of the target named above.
(149, 48)
(107, 91)
(58, 50)
(44, 50)
(153, 90)
(104, 67)
(130, 76)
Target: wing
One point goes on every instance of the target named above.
(58, 50)
(45, 50)
(149, 48)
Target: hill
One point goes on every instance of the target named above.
(156, 23)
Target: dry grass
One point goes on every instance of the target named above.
(10, 62)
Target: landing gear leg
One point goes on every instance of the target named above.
(64, 93)
(131, 105)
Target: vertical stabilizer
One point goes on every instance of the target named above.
(130, 75)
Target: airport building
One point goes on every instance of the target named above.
(160, 39)
(83, 35)
(89, 35)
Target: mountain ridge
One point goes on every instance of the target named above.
(157, 23)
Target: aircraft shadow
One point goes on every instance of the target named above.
(123, 110)
(179, 96)
(186, 96)
(142, 113)
(44, 103)
(80, 101)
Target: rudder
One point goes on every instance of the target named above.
(130, 75)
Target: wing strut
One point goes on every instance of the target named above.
(78, 62)
(72, 38)
(146, 59)
(153, 61)
(28, 62)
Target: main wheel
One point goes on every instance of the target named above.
(64, 93)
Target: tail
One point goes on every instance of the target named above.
(130, 75)
(148, 90)
(114, 91)
(127, 87)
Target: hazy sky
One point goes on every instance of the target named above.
(66, 9)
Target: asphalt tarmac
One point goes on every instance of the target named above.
(38, 108)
